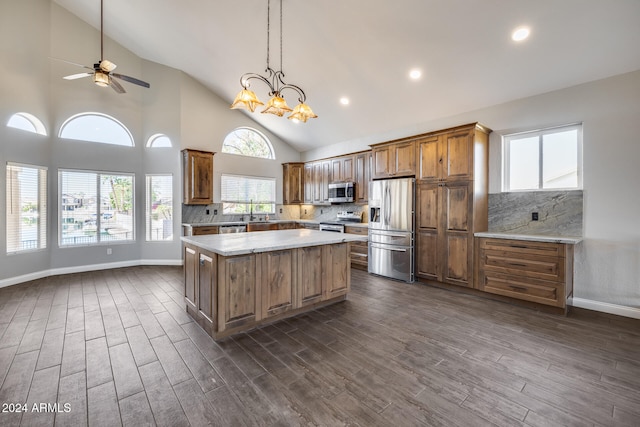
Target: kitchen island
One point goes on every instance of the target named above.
(235, 282)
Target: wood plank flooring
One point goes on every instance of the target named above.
(118, 348)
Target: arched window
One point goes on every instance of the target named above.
(27, 122)
(248, 142)
(96, 127)
(159, 140)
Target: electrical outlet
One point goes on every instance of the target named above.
(321, 211)
(305, 211)
(109, 251)
(280, 210)
(215, 211)
(534, 216)
(207, 211)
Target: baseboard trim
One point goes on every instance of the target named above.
(84, 268)
(605, 307)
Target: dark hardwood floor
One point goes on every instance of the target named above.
(117, 347)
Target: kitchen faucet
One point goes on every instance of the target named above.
(251, 217)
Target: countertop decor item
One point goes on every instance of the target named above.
(277, 105)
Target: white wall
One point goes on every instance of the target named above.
(607, 268)
(33, 31)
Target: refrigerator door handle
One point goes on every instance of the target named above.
(387, 206)
(388, 248)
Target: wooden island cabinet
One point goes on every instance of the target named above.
(235, 282)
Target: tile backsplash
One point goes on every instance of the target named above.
(559, 212)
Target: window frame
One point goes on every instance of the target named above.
(540, 133)
(43, 201)
(37, 126)
(248, 203)
(154, 138)
(99, 213)
(102, 115)
(263, 138)
(149, 209)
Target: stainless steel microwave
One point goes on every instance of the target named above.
(341, 192)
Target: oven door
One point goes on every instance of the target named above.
(393, 261)
(335, 228)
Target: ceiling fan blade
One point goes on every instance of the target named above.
(72, 63)
(131, 80)
(77, 76)
(107, 66)
(116, 86)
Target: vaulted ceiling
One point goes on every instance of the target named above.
(364, 50)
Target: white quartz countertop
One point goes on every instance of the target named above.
(572, 240)
(266, 241)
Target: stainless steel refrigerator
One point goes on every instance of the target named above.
(391, 223)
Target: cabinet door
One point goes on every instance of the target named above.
(237, 287)
(197, 177)
(292, 186)
(381, 161)
(308, 183)
(336, 170)
(324, 182)
(317, 182)
(404, 155)
(190, 277)
(347, 169)
(309, 275)
(336, 264)
(278, 282)
(429, 159)
(427, 229)
(361, 177)
(207, 298)
(456, 202)
(458, 155)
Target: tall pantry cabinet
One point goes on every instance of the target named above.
(451, 199)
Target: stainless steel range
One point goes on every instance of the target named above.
(342, 218)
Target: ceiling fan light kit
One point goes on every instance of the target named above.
(277, 105)
(102, 70)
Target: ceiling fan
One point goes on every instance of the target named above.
(102, 71)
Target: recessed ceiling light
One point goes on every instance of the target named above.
(520, 34)
(344, 100)
(415, 74)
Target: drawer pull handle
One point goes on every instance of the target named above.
(518, 288)
(518, 246)
(515, 264)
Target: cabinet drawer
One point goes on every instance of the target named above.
(520, 248)
(198, 231)
(540, 267)
(539, 291)
(362, 231)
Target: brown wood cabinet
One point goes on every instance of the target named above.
(196, 230)
(540, 272)
(342, 169)
(310, 226)
(197, 177)
(293, 183)
(359, 250)
(393, 159)
(320, 179)
(362, 176)
(309, 185)
(451, 202)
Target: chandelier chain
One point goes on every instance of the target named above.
(281, 37)
(268, 29)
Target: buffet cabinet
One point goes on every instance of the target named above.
(540, 272)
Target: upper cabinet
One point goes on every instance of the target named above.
(293, 183)
(450, 155)
(393, 159)
(342, 169)
(197, 177)
(362, 176)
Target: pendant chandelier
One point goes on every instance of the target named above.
(275, 81)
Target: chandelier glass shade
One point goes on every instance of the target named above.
(274, 80)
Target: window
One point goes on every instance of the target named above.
(95, 208)
(96, 127)
(26, 208)
(159, 214)
(27, 122)
(159, 141)
(547, 159)
(248, 142)
(246, 194)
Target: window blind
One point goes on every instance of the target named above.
(26, 207)
(244, 189)
(159, 212)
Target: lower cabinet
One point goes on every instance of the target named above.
(359, 250)
(539, 272)
(231, 294)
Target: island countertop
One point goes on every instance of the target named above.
(571, 240)
(266, 241)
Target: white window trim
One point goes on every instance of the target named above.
(99, 242)
(262, 135)
(42, 212)
(539, 133)
(94, 113)
(38, 126)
